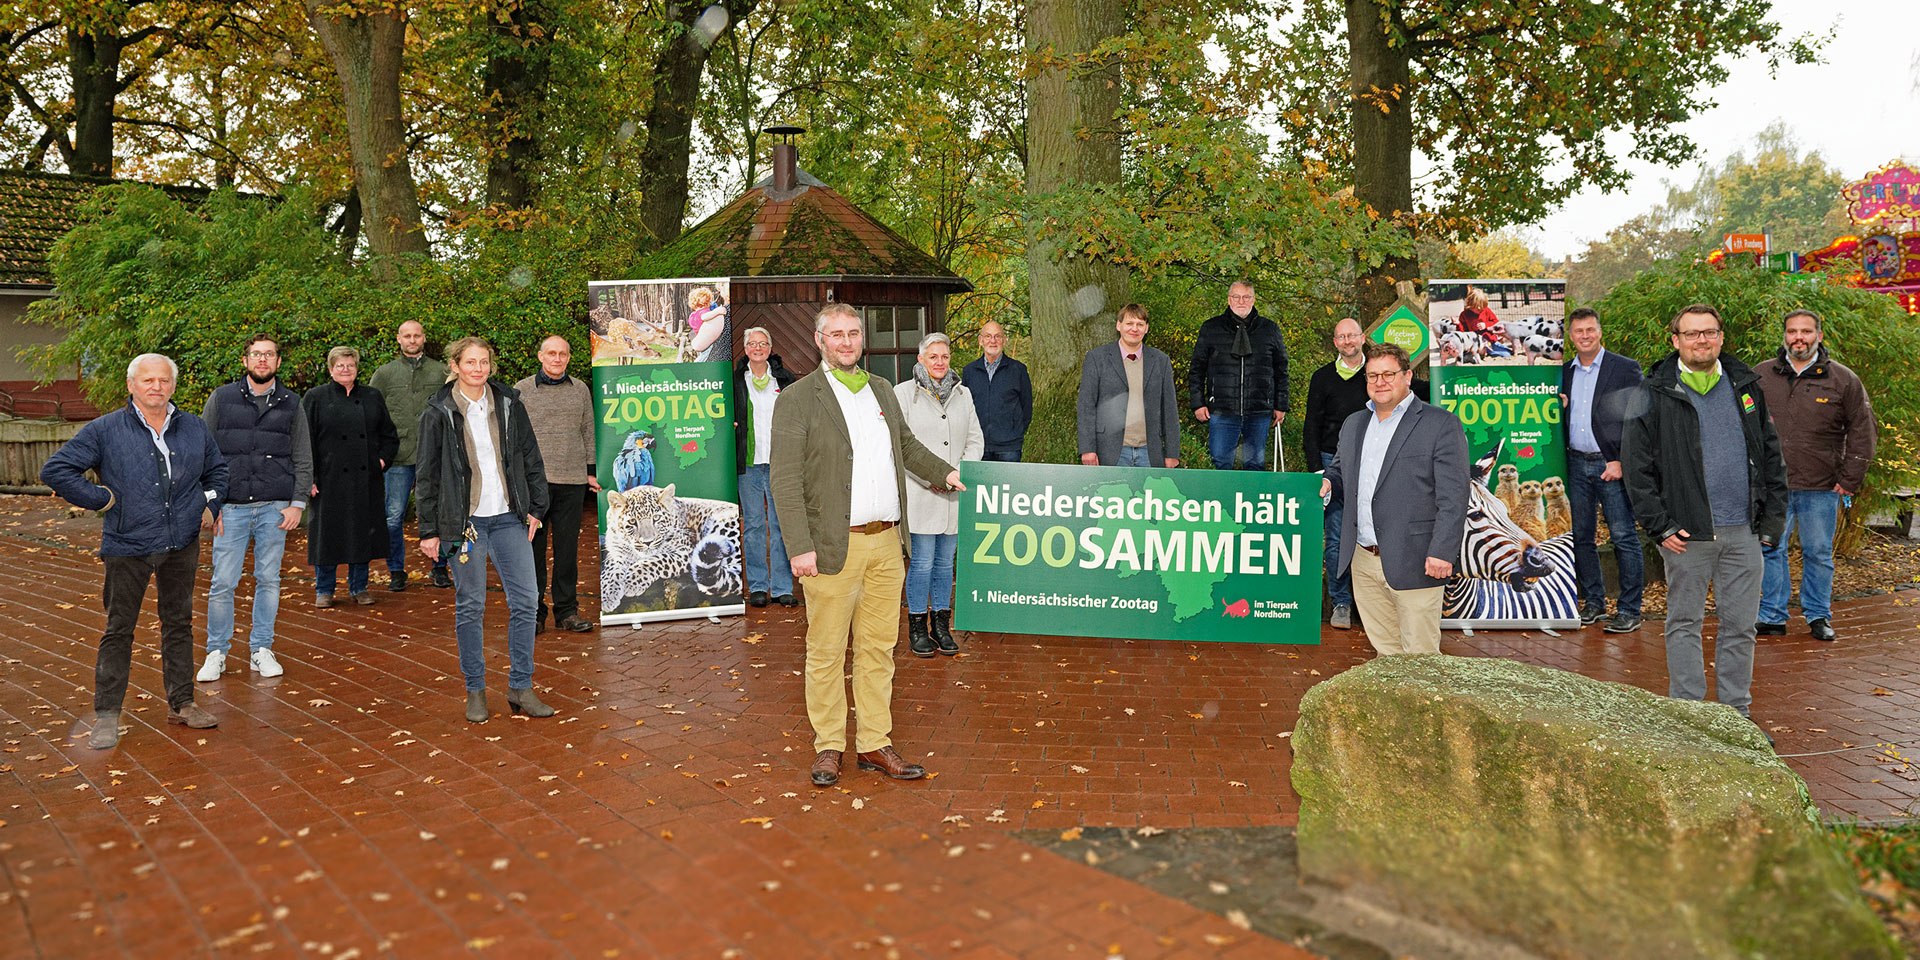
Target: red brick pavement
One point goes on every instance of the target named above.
(347, 810)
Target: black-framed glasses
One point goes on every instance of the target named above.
(1695, 336)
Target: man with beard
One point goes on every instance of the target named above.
(407, 382)
(263, 434)
(1703, 470)
(840, 445)
(1827, 433)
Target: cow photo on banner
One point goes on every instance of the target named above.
(1495, 354)
(669, 506)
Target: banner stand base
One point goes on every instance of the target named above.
(1469, 626)
(713, 614)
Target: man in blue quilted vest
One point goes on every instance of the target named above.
(260, 429)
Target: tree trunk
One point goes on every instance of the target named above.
(1072, 139)
(676, 98)
(93, 61)
(516, 84)
(365, 50)
(1381, 75)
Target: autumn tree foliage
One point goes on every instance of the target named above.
(1512, 106)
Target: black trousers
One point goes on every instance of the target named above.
(566, 500)
(173, 575)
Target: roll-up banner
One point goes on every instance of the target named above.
(669, 501)
(1495, 351)
(1139, 553)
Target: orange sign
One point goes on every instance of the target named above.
(1747, 243)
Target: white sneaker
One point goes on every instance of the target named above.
(211, 670)
(265, 665)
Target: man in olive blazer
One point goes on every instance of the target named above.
(839, 443)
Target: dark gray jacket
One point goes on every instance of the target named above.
(1660, 452)
(444, 477)
(1103, 405)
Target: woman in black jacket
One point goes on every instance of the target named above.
(353, 441)
(482, 491)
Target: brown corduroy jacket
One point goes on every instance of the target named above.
(812, 467)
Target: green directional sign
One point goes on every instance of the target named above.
(1148, 554)
(1404, 328)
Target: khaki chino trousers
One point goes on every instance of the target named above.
(1397, 621)
(861, 605)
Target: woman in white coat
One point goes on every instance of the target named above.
(940, 413)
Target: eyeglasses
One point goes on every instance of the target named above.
(262, 354)
(993, 336)
(842, 336)
(1384, 377)
(1695, 336)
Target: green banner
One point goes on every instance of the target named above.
(1497, 367)
(669, 510)
(1133, 553)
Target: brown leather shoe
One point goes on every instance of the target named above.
(887, 760)
(826, 768)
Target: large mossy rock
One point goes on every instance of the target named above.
(1572, 817)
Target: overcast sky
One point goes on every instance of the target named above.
(1859, 108)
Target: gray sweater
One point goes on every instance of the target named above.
(562, 416)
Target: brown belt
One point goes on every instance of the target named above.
(1369, 548)
(877, 526)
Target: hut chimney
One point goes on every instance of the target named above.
(786, 158)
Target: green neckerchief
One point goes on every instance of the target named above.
(760, 383)
(1341, 369)
(1700, 380)
(854, 380)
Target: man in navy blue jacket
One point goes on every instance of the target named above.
(1002, 395)
(160, 470)
(1595, 387)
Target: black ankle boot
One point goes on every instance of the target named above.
(918, 639)
(943, 632)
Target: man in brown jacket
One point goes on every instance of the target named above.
(839, 442)
(1827, 433)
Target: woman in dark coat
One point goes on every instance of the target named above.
(353, 441)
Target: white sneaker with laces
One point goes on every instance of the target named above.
(211, 670)
(265, 665)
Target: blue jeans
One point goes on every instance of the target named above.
(766, 562)
(1340, 587)
(1009, 454)
(1229, 433)
(503, 539)
(399, 480)
(1817, 514)
(1585, 490)
(930, 572)
(1133, 457)
(240, 524)
(325, 578)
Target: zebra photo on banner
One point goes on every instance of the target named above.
(1508, 577)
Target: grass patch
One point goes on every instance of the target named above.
(1887, 862)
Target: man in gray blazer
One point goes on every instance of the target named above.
(1128, 416)
(1402, 466)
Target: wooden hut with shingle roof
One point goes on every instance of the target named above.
(791, 245)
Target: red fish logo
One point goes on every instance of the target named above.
(690, 446)
(1237, 609)
(1527, 452)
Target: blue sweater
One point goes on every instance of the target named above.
(154, 510)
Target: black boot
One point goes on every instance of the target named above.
(918, 639)
(943, 632)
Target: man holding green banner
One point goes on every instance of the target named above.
(839, 445)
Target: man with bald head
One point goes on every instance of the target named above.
(406, 382)
(1337, 391)
(561, 408)
(1238, 381)
(1002, 395)
(160, 471)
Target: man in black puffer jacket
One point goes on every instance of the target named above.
(1238, 381)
